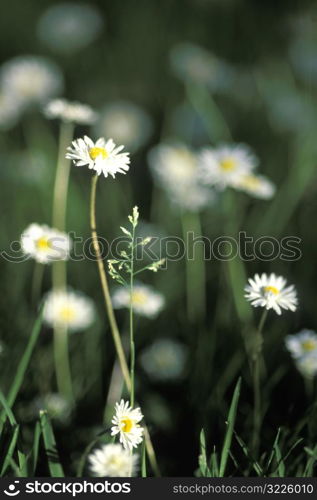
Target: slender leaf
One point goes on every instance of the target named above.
(54, 464)
(230, 427)
(10, 451)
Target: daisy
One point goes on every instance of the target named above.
(307, 365)
(221, 167)
(67, 111)
(68, 309)
(31, 79)
(164, 359)
(45, 244)
(271, 292)
(126, 424)
(101, 156)
(255, 185)
(111, 460)
(175, 169)
(145, 300)
(302, 343)
(56, 406)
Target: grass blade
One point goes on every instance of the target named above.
(54, 465)
(6, 411)
(143, 465)
(10, 451)
(35, 448)
(230, 427)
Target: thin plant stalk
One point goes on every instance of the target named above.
(37, 280)
(195, 269)
(257, 356)
(132, 347)
(112, 320)
(61, 350)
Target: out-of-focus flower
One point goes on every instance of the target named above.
(126, 423)
(126, 122)
(111, 460)
(302, 343)
(68, 27)
(45, 244)
(68, 309)
(255, 185)
(31, 79)
(145, 301)
(175, 168)
(57, 407)
(164, 359)
(271, 292)
(9, 111)
(221, 167)
(307, 365)
(101, 156)
(192, 63)
(67, 111)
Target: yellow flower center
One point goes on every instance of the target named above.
(43, 244)
(126, 424)
(67, 313)
(272, 289)
(95, 152)
(139, 298)
(309, 345)
(228, 164)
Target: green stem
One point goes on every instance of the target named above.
(195, 269)
(37, 280)
(257, 355)
(132, 346)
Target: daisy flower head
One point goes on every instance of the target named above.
(255, 185)
(56, 406)
(102, 156)
(68, 309)
(31, 79)
(302, 343)
(73, 112)
(221, 167)
(175, 169)
(307, 365)
(164, 359)
(126, 423)
(145, 300)
(112, 460)
(45, 244)
(271, 292)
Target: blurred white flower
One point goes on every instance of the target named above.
(271, 292)
(126, 423)
(145, 300)
(221, 167)
(164, 359)
(31, 79)
(302, 343)
(307, 365)
(193, 63)
(111, 460)
(127, 123)
(57, 407)
(45, 244)
(9, 111)
(68, 309)
(101, 156)
(68, 27)
(175, 168)
(255, 185)
(68, 111)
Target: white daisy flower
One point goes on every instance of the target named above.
(307, 365)
(175, 168)
(45, 244)
(126, 424)
(31, 79)
(302, 343)
(101, 156)
(126, 122)
(67, 111)
(68, 27)
(271, 292)
(164, 359)
(221, 167)
(145, 300)
(255, 185)
(68, 309)
(57, 407)
(111, 460)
